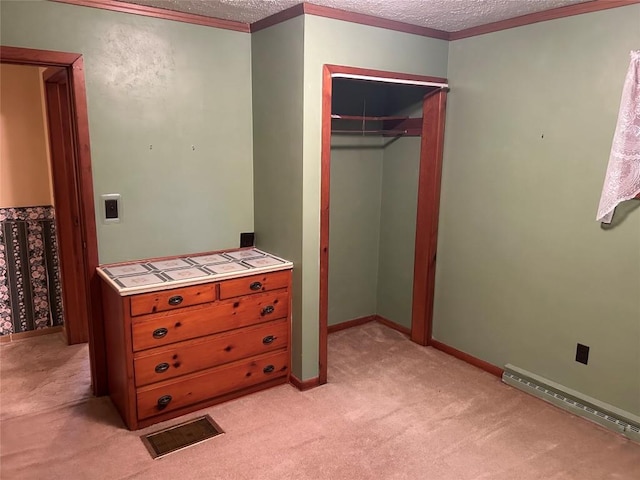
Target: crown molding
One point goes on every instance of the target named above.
(306, 8)
(370, 20)
(276, 18)
(560, 12)
(162, 13)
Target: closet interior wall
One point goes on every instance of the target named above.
(373, 192)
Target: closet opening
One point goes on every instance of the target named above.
(382, 141)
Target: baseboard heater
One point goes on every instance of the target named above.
(599, 412)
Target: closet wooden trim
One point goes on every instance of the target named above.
(162, 13)
(325, 171)
(368, 72)
(356, 322)
(431, 151)
(393, 325)
(428, 204)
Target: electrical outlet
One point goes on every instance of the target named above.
(111, 208)
(582, 354)
(247, 239)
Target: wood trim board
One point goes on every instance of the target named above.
(426, 240)
(369, 72)
(306, 8)
(325, 172)
(162, 13)
(560, 12)
(372, 21)
(63, 168)
(303, 385)
(276, 18)
(393, 325)
(15, 337)
(350, 323)
(465, 357)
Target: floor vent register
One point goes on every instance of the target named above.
(183, 435)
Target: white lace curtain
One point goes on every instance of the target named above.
(622, 181)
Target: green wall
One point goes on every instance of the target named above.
(399, 205)
(277, 150)
(328, 41)
(170, 85)
(524, 271)
(354, 230)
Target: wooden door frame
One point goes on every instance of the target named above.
(428, 205)
(79, 176)
(62, 148)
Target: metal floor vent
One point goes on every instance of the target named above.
(181, 436)
(573, 405)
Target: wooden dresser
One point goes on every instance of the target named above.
(185, 333)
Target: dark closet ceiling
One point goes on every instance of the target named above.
(370, 98)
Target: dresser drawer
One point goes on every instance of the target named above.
(184, 391)
(163, 329)
(254, 284)
(172, 299)
(191, 356)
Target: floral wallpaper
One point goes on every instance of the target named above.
(30, 286)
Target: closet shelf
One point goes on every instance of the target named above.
(387, 126)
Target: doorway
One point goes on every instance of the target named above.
(431, 97)
(73, 197)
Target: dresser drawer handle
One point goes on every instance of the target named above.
(163, 401)
(176, 300)
(255, 286)
(162, 367)
(268, 339)
(268, 369)
(160, 332)
(267, 310)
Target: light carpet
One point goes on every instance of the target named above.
(391, 410)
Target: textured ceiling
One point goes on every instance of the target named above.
(448, 15)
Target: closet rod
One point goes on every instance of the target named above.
(374, 119)
(372, 132)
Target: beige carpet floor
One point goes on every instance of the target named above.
(391, 410)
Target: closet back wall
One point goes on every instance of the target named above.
(354, 226)
(372, 231)
(169, 107)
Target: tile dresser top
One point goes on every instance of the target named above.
(163, 274)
